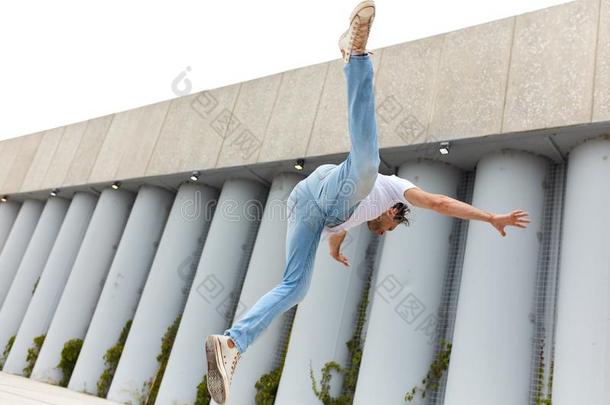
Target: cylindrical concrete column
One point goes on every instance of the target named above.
(407, 294)
(86, 280)
(166, 289)
(224, 258)
(494, 328)
(264, 272)
(326, 318)
(34, 260)
(126, 278)
(17, 243)
(8, 214)
(52, 280)
(582, 340)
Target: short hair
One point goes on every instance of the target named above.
(401, 215)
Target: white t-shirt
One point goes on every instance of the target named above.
(387, 191)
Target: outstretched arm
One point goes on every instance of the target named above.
(451, 207)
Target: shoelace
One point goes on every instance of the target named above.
(360, 32)
(233, 364)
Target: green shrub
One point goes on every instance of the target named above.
(203, 396)
(435, 373)
(539, 400)
(267, 385)
(111, 360)
(166, 347)
(69, 355)
(7, 350)
(350, 373)
(33, 355)
(323, 393)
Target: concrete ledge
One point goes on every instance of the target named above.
(540, 70)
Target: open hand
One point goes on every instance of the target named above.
(515, 218)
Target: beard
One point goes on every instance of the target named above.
(375, 224)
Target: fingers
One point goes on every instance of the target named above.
(520, 218)
(520, 214)
(500, 229)
(341, 259)
(521, 223)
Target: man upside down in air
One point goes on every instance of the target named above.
(332, 199)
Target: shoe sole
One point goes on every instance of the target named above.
(368, 13)
(217, 382)
(360, 7)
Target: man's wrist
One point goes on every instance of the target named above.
(335, 239)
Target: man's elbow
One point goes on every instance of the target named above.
(440, 203)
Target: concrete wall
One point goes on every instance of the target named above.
(543, 69)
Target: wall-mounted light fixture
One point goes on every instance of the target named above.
(194, 176)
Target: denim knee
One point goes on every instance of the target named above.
(368, 166)
(367, 175)
(299, 295)
(296, 291)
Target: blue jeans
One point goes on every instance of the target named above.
(328, 196)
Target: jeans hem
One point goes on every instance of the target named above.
(234, 339)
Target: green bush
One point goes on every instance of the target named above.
(203, 396)
(435, 373)
(323, 394)
(33, 355)
(7, 350)
(69, 355)
(166, 347)
(267, 385)
(539, 400)
(350, 373)
(111, 360)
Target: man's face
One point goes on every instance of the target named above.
(383, 223)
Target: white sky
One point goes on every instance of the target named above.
(68, 61)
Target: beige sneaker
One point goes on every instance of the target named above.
(222, 361)
(354, 39)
